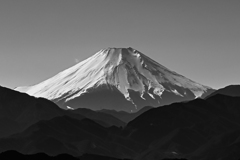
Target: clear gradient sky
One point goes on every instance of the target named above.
(199, 39)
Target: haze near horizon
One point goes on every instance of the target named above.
(197, 39)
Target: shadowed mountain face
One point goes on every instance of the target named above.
(61, 135)
(232, 90)
(195, 130)
(104, 119)
(19, 110)
(121, 79)
(42, 156)
(125, 116)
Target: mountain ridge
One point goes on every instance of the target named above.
(193, 130)
(230, 90)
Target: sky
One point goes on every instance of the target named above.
(199, 39)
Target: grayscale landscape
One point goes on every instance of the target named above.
(120, 80)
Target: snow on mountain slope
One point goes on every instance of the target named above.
(123, 70)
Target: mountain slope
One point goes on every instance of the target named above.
(125, 116)
(64, 134)
(195, 130)
(105, 119)
(119, 79)
(19, 110)
(231, 90)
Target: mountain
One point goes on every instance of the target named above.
(27, 123)
(13, 154)
(231, 90)
(18, 111)
(105, 119)
(126, 116)
(200, 129)
(62, 135)
(195, 130)
(121, 79)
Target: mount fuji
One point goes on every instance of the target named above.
(121, 79)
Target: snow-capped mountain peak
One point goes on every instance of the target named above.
(124, 69)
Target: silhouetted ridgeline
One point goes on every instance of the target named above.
(125, 116)
(202, 129)
(42, 156)
(231, 90)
